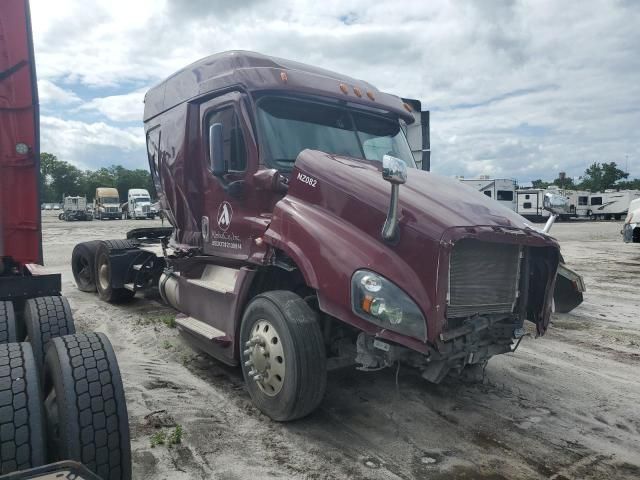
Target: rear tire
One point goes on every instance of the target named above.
(85, 409)
(83, 265)
(8, 326)
(103, 272)
(22, 436)
(294, 349)
(47, 318)
(61, 216)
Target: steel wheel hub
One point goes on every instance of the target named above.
(265, 358)
(103, 275)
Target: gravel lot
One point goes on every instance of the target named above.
(564, 406)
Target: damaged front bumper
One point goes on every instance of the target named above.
(569, 289)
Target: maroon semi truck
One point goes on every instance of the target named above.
(304, 237)
(61, 396)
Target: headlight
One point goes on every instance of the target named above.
(379, 301)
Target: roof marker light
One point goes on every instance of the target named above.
(357, 91)
(370, 95)
(284, 77)
(344, 88)
(407, 107)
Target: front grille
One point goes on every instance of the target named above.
(146, 208)
(483, 278)
(112, 209)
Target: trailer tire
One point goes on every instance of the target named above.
(290, 331)
(47, 318)
(22, 437)
(8, 325)
(61, 216)
(83, 265)
(85, 408)
(103, 272)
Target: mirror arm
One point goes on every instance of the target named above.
(550, 222)
(390, 228)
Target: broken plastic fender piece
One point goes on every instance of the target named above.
(569, 288)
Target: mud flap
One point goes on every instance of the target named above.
(568, 292)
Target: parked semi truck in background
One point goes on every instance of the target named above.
(75, 208)
(304, 237)
(61, 395)
(106, 204)
(138, 205)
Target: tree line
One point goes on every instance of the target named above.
(59, 178)
(597, 178)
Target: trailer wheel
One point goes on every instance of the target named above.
(85, 410)
(103, 273)
(22, 439)
(8, 330)
(61, 216)
(47, 318)
(284, 360)
(83, 265)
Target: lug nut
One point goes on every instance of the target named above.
(248, 363)
(247, 352)
(258, 378)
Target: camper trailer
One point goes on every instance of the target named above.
(581, 203)
(529, 204)
(503, 190)
(610, 204)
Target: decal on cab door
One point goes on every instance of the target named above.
(307, 179)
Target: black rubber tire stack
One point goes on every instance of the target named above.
(83, 265)
(82, 383)
(8, 326)
(22, 442)
(47, 318)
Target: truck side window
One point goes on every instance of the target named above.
(506, 195)
(583, 200)
(487, 193)
(596, 200)
(235, 152)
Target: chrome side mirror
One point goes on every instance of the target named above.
(394, 171)
(555, 203)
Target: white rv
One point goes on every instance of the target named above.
(530, 204)
(138, 204)
(611, 204)
(502, 190)
(631, 229)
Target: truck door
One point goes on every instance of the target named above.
(233, 215)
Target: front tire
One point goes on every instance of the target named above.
(284, 359)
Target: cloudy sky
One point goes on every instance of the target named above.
(516, 89)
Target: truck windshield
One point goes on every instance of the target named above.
(110, 200)
(289, 126)
(142, 200)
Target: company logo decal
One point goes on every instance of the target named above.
(225, 213)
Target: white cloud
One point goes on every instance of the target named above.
(83, 143)
(51, 94)
(119, 108)
(523, 88)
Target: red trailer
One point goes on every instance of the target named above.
(50, 376)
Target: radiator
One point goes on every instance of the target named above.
(483, 278)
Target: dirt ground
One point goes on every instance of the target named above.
(565, 406)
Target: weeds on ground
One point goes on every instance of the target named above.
(167, 345)
(171, 438)
(169, 319)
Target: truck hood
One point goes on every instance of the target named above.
(329, 223)
(428, 203)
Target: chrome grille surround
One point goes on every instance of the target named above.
(483, 278)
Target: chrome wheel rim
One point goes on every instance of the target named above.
(103, 275)
(264, 357)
